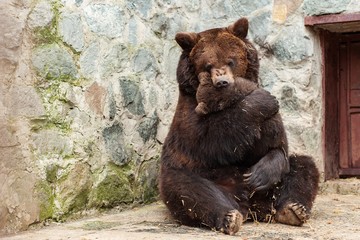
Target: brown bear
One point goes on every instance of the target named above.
(213, 98)
(217, 169)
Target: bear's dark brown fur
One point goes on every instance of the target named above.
(219, 167)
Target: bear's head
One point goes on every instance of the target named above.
(224, 53)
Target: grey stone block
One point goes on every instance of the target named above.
(71, 30)
(114, 143)
(132, 97)
(53, 61)
(105, 19)
(259, 27)
(88, 60)
(148, 127)
(41, 15)
(145, 63)
(322, 7)
(292, 45)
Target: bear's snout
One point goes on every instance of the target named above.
(222, 77)
(221, 81)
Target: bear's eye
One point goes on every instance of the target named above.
(208, 67)
(231, 63)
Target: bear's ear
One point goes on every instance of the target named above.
(240, 28)
(186, 40)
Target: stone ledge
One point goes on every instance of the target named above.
(341, 186)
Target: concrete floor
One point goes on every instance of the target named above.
(335, 216)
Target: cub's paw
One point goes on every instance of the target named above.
(232, 222)
(292, 214)
(201, 109)
(204, 76)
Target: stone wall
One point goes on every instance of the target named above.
(88, 91)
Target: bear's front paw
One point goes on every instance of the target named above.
(259, 182)
(292, 214)
(231, 222)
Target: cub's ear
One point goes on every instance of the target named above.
(240, 28)
(186, 40)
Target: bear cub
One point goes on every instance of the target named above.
(212, 98)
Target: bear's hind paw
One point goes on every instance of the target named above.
(293, 214)
(232, 222)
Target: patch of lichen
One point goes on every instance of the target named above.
(80, 201)
(51, 173)
(49, 89)
(55, 99)
(48, 85)
(45, 194)
(90, 148)
(150, 193)
(77, 204)
(146, 182)
(114, 189)
(73, 186)
(49, 33)
(52, 121)
(45, 35)
(62, 78)
(141, 176)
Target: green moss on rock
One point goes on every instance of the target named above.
(45, 35)
(54, 64)
(146, 182)
(45, 194)
(80, 201)
(73, 190)
(114, 189)
(51, 122)
(49, 33)
(51, 173)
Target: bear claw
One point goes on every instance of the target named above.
(292, 214)
(300, 211)
(232, 222)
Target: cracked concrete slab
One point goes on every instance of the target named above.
(334, 217)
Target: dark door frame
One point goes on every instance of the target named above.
(329, 28)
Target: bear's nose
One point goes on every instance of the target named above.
(221, 82)
(220, 78)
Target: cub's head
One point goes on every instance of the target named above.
(224, 53)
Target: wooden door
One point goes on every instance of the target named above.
(349, 105)
(340, 44)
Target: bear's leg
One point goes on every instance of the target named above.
(196, 201)
(262, 207)
(297, 191)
